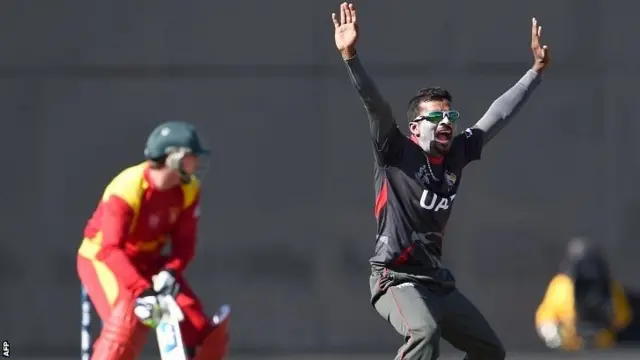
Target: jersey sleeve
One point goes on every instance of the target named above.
(472, 143)
(120, 202)
(183, 236)
(390, 151)
(382, 125)
(507, 105)
(115, 224)
(557, 308)
(557, 304)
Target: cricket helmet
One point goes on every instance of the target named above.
(170, 142)
(173, 137)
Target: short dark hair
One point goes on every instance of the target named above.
(433, 93)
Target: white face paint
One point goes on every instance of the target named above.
(427, 135)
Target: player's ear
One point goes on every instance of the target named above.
(414, 128)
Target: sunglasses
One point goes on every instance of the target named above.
(437, 116)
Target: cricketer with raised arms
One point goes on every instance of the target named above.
(416, 181)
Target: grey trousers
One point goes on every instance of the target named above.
(422, 314)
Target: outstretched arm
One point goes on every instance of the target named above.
(507, 105)
(381, 121)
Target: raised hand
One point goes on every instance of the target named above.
(540, 52)
(346, 30)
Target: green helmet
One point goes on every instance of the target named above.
(171, 137)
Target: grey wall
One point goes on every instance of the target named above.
(82, 83)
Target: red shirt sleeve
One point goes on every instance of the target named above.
(183, 238)
(116, 220)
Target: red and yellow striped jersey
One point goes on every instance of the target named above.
(134, 221)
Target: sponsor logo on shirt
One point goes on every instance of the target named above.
(431, 201)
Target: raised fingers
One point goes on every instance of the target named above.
(347, 15)
(534, 33)
(352, 9)
(347, 11)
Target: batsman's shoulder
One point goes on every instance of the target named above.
(191, 191)
(127, 185)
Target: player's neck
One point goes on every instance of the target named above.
(434, 159)
(163, 179)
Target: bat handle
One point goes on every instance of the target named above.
(171, 307)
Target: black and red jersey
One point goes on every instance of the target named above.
(414, 197)
(415, 193)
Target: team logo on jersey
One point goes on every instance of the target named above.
(450, 178)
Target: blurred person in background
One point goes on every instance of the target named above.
(121, 262)
(584, 306)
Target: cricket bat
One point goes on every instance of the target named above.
(168, 330)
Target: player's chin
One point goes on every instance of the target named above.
(442, 146)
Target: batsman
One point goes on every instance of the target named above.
(121, 262)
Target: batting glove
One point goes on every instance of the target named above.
(165, 283)
(148, 308)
